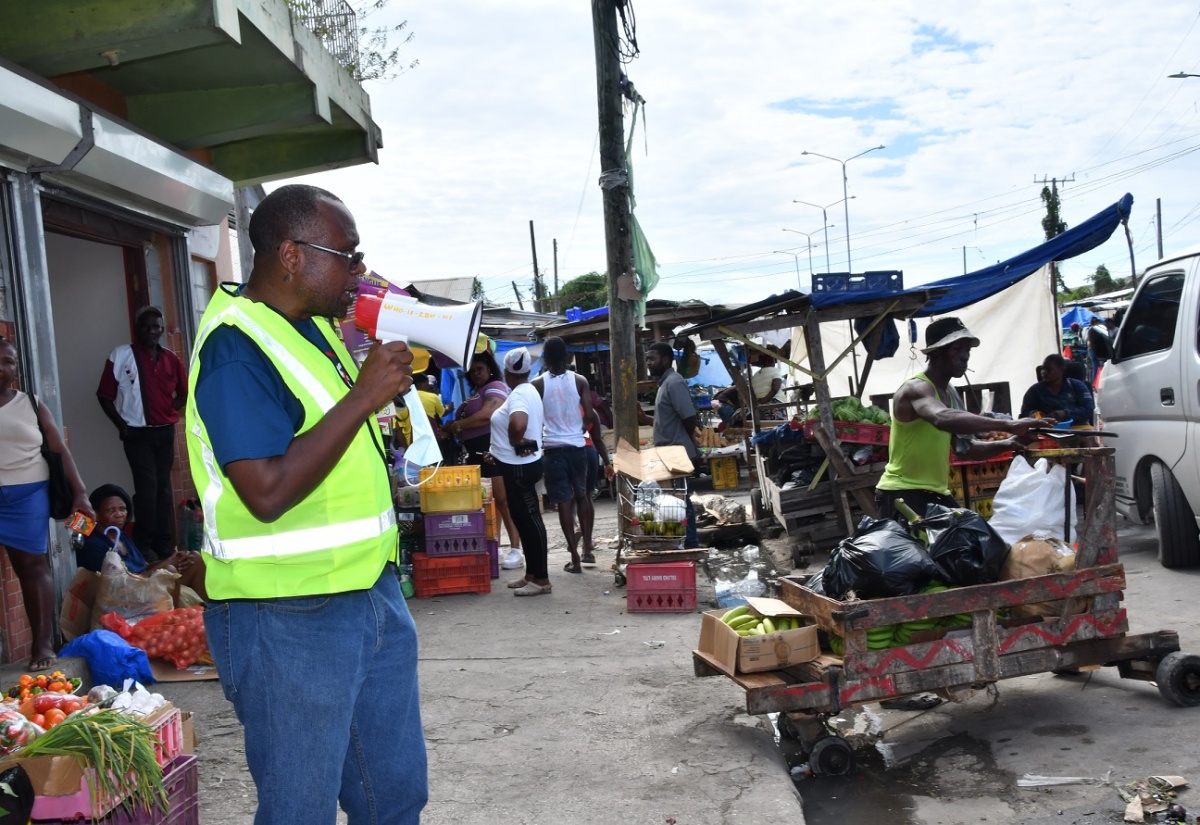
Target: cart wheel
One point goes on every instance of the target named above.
(1178, 678)
(832, 756)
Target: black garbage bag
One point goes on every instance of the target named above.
(963, 546)
(17, 800)
(879, 560)
(815, 582)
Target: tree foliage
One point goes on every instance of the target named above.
(477, 293)
(1053, 225)
(588, 291)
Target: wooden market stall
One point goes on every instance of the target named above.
(840, 488)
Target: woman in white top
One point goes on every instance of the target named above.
(516, 431)
(25, 501)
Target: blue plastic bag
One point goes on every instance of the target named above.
(111, 659)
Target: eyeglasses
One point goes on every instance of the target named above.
(352, 258)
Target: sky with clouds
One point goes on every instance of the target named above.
(975, 103)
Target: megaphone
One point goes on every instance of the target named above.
(451, 330)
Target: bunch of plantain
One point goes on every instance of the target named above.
(746, 623)
(878, 638)
(711, 439)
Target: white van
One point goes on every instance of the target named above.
(1150, 397)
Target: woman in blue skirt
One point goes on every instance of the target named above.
(25, 501)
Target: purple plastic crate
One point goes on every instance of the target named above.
(493, 548)
(454, 525)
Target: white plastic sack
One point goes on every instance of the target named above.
(1032, 500)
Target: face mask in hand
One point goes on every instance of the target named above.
(424, 449)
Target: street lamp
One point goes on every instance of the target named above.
(797, 257)
(825, 221)
(1181, 75)
(808, 235)
(845, 189)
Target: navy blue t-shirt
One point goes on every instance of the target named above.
(96, 546)
(247, 408)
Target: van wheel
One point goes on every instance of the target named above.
(1178, 540)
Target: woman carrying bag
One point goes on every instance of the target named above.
(25, 500)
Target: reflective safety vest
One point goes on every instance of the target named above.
(340, 536)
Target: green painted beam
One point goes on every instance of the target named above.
(53, 37)
(261, 160)
(195, 119)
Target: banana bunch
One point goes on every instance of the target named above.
(878, 638)
(745, 623)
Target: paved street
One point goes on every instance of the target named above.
(566, 709)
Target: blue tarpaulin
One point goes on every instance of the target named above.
(1077, 315)
(963, 290)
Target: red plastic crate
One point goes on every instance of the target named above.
(661, 587)
(853, 432)
(664, 602)
(493, 549)
(443, 575)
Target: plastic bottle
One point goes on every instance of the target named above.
(750, 553)
(751, 586)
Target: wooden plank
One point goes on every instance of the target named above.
(983, 641)
(839, 617)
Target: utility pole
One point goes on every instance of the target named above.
(517, 292)
(1052, 231)
(1158, 224)
(537, 281)
(557, 300)
(618, 241)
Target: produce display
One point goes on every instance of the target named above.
(652, 525)
(851, 410)
(56, 682)
(745, 622)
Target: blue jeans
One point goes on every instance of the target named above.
(690, 538)
(326, 690)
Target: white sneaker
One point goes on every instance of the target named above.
(513, 560)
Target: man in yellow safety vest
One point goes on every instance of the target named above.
(311, 637)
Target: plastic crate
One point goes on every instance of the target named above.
(443, 575)
(854, 433)
(983, 506)
(181, 781)
(454, 525)
(491, 519)
(724, 472)
(168, 728)
(451, 489)
(493, 549)
(456, 545)
(661, 587)
(886, 280)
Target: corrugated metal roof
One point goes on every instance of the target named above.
(456, 289)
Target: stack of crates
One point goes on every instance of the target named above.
(455, 554)
(491, 532)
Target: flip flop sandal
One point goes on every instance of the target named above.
(532, 589)
(572, 567)
(513, 585)
(589, 560)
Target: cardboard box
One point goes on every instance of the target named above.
(658, 463)
(751, 654)
(189, 733)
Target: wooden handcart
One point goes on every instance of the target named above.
(1090, 630)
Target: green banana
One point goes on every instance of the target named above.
(768, 625)
(743, 621)
(730, 615)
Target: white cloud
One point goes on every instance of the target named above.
(975, 101)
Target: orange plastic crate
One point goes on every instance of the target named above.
(445, 575)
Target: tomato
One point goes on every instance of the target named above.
(71, 705)
(42, 681)
(26, 708)
(54, 716)
(58, 687)
(25, 681)
(39, 720)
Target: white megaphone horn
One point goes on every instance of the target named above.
(450, 330)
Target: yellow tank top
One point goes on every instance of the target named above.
(919, 453)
